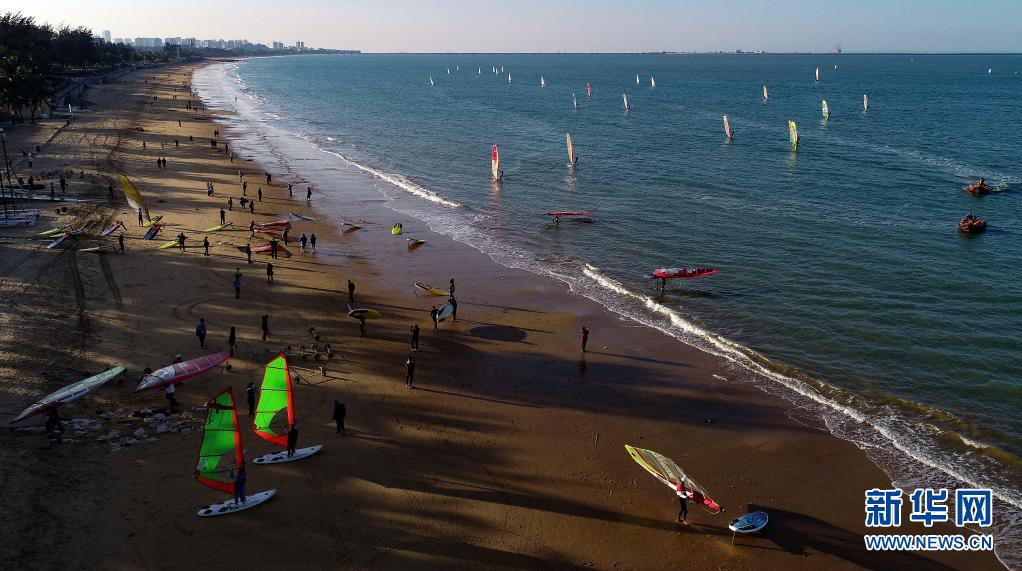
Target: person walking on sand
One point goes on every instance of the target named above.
(237, 283)
(312, 242)
(292, 439)
(250, 397)
(265, 326)
(251, 207)
(260, 193)
(454, 308)
(223, 217)
(248, 252)
(362, 326)
(232, 340)
(140, 220)
(269, 273)
(415, 337)
(290, 190)
(351, 291)
(120, 242)
(433, 315)
(181, 241)
(268, 178)
(409, 373)
(230, 203)
(682, 502)
(303, 240)
(451, 289)
(583, 336)
(273, 248)
(308, 195)
(339, 413)
(200, 332)
(205, 245)
(285, 235)
(169, 393)
(239, 478)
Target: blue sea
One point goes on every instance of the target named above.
(843, 282)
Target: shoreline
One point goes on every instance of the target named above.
(509, 455)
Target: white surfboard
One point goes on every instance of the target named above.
(446, 311)
(279, 457)
(229, 507)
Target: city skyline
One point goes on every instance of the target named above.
(572, 26)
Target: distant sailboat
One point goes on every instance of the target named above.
(589, 91)
(766, 95)
(572, 159)
(727, 128)
(509, 77)
(542, 82)
(652, 82)
(817, 75)
(574, 102)
(637, 79)
(865, 102)
(495, 171)
(627, 108)
(501, 69)
(792, 135)
(431, 82)
(448, 71)
(990, 71)
(479, 71)
(457, 68)
(826, 110)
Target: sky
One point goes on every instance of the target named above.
(563, 26)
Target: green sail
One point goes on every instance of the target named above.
(274, 396)
(219, 439)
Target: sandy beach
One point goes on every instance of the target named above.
(508, 453)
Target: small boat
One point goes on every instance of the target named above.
(574, 102)
(637, 79)
(748, 523)
(978, 189)
(971, 224)
(509, 77)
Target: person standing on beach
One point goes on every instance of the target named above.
(308, 195)
(239, 479)
(415, 337)
(269, 273)
(303, 240)
(248, 252)
(260, 192)
(454, 308)
(232, 340)
(120, 242)
(205, 245)
(339, 413)
(583, 336)
(250, 397)
(237, 283)
(273, 248)
(285, 235)
(409, 373)
(351, 291)
(140, 221)
(181, 241)
(251, 207)
(268, 177)
(223, 217)
(451, 290)
(362, 325)
(312, 242)
(265, 326)
(53, 421)
(682, 502)
(433, 315)
(169, 393)
(292, 439)
(200, 332)
(290, 190)
(230, 203)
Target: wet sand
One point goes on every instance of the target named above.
(509, 453)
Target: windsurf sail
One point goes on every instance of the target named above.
(221, 442)
(509, 77)
(431, 82)
(652, 82)
(793, 135)
(574, 102)
(637, 79)
(572, 159)
(448, 71)
(479, 71)
(177, 372)
(826, 110)
(817, 74)
(668, 472)
(766, 94)
(275, 396)
(865, 102)
(727, 128)
(69, 393)
(589, 91)
(542, 82)
(133, 196)
(625, 95)
(495, 164)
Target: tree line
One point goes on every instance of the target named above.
(34, 57)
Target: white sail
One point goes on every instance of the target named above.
(542, 82)
(495, 165)
(652, 82)
(636, 79)
(448, 71)
(817, 74)
(826, 110)
(865, 102)
(727, 128)
(625, 95)
(509, 77)
(501, 69)
(431, 83)
(479, 71)
(571, 152)
(574, 102)
(766, 94)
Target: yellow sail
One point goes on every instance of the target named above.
(793, 135)
(133, 196)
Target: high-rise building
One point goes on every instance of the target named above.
(300, 45)
(106, 36)
(278, 45)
